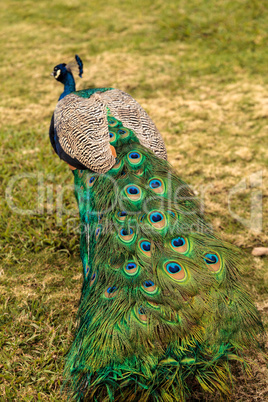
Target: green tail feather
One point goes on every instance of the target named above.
(162, 302)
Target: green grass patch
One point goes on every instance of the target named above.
(200, 70)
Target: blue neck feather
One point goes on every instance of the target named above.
(69, 84)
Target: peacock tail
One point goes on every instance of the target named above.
(162, 301)
(163, 306)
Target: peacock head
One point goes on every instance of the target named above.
(61, 71)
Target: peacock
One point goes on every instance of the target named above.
(163, 309)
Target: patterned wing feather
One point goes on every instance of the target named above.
(82, 129)
(80, 121)
(126, 109)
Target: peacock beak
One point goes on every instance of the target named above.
(52, 74)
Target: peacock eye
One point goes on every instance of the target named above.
(175, 271)
(157, 219)
(180, 244)
(213, 261)
(155, 183)
(141, 310)
(148, 284)
(122, 213)
(131, 265)
(125, 232)
(173, 268)
(149, 287)
(135, 158)
(110, 292)
(134, 155)
(146, 246)
(127, 235)
(111, 289)
(131, 268)
(133, 190)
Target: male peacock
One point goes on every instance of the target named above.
(162, 305)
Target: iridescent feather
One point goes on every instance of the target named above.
(162, 305)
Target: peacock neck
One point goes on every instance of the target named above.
(69, 85)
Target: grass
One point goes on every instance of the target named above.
(199, 68)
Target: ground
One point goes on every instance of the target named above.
(199, 68)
